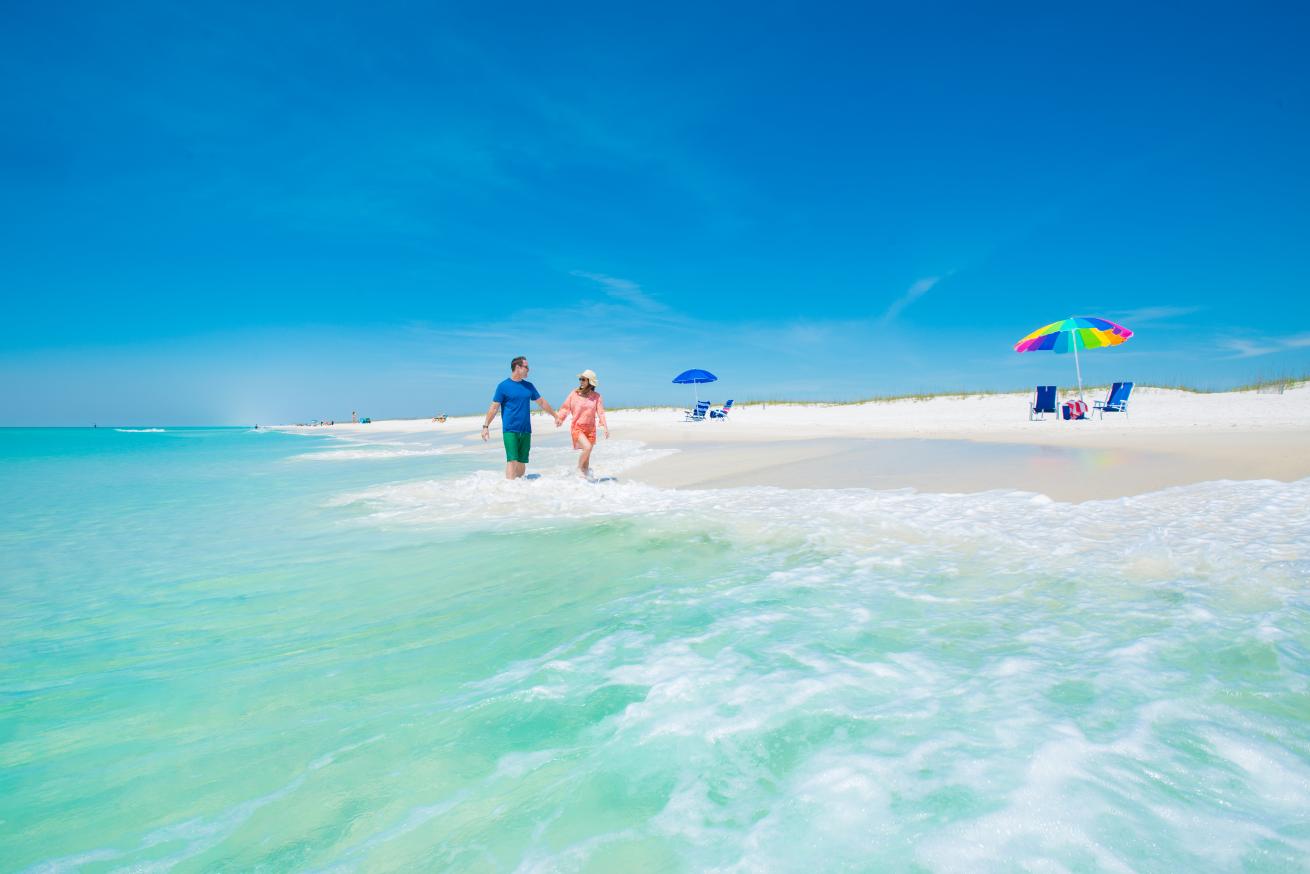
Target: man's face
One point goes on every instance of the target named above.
(521, 370)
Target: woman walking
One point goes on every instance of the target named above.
(588, 409)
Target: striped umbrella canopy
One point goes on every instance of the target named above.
(1072, 334)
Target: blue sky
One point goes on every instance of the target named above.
(268, 212)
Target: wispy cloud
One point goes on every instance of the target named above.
(1244, 348)
(1143, 315)
(623, 290)
(913, 293)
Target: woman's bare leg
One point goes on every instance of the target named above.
(584, 460)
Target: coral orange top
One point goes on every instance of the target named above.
(587, 411)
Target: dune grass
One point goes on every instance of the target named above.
(1283, 382)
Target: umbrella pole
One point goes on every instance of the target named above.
(1078, 367)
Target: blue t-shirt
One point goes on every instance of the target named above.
(515, 399)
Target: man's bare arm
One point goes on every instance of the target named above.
(545, 405)
(491, 416)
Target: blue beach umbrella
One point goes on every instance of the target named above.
(695, 378)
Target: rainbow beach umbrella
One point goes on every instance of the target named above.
(1072, 334)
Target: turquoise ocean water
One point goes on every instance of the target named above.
(234, 650)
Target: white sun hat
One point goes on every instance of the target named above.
(589, 376)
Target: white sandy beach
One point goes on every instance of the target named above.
(951, 444)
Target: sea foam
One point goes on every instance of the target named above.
(1219, 529)
(965, 682)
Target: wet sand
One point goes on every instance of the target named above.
(1065, 473)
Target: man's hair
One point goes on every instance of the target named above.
(517, 361)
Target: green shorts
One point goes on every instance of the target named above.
(517, 446)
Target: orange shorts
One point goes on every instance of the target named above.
(589, 433)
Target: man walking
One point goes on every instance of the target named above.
(513, 399)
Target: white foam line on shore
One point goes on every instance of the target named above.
(1015, 528)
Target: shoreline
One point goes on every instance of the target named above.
(948, 444)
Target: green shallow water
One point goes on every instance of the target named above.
(219, 654)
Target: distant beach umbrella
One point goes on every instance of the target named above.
(695, 378)
(1072, 334)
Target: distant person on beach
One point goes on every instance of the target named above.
(354, 420)
(587, 408)
(513, 399)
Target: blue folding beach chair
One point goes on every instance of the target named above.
(723, 413)
(698, 414)
(1117, 402)
(1043, 403)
